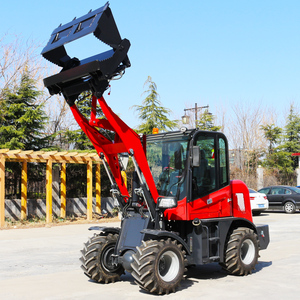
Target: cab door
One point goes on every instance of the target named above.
(211, 194)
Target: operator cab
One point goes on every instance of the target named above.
(186, 164)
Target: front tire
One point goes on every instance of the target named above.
(289, 207)
(159, 266)
(241, 253)
(97, 259)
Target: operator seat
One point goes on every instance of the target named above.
(200, 175)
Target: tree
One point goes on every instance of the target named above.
(206, 122)
(151, 112)
(16, 56)
(280, 158)
(291, 137)
(246, 139)
(22, 119)
(60, 121)
(272, 134)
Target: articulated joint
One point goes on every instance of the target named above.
(131, 152)
(115, 192)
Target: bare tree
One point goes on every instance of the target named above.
(60, 120)
(246, 139)
(16, 55)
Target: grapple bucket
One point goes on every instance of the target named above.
(93, 73)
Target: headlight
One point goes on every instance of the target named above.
(167, 202)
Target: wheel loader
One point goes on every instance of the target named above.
(183, 209)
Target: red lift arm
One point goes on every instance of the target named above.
(126, 140)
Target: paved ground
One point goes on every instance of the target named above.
(42, 263)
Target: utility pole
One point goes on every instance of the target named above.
(185, 118)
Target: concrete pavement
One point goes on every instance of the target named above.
(43, 263)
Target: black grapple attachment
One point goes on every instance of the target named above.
(93, 73)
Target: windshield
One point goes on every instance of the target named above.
(167, 159)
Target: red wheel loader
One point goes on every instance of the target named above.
(183, 209)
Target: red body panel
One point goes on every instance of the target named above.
(215, 205)
(177, 213)
(241, 200)
(230, 201)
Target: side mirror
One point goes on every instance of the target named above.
(196, 156)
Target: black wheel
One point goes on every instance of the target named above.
(97, 259)
(158, 266)
(241, 253)
(289, 207)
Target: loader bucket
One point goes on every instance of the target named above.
(93, 73)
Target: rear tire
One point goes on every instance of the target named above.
(241, 253)
(158, 266)
(289, 207)
(97, 259)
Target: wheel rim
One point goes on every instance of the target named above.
(107, 261)
(289, 207)
(168, 266)
(247, 252)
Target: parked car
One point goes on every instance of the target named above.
(259, 202)
(282, 196)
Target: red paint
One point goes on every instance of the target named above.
(125, 139)
(221, 203)
(215, 205)
(241, 200)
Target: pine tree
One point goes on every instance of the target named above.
(151, 112)
(291, 137)
(22, 120)
(206, 122)
(279, 158)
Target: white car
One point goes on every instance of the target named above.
(259, 202)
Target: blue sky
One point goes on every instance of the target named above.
(212, 52)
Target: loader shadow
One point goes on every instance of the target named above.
(215, 271)
(261, 265)
(199, 272)
(205, 272)
(212, 271)
(127, 277)
(193, 274)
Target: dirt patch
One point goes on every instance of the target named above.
(35, 223)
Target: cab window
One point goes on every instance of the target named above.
(223, 174)
(204, 175)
